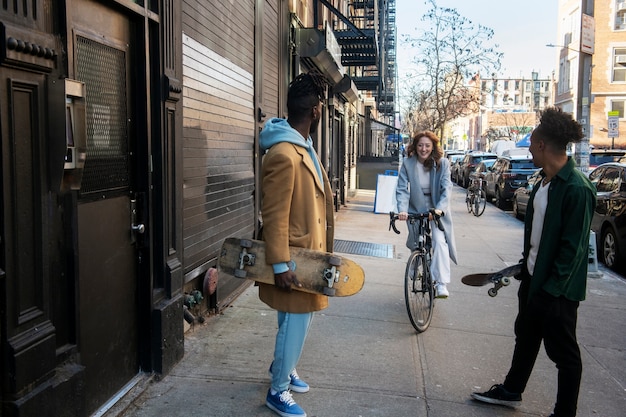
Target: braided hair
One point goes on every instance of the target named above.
(305, 92)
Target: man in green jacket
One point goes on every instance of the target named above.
(554, 280)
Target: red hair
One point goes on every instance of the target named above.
(437, 153)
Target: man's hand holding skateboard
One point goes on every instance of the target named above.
(285, 279)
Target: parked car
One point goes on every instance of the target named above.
(609, 217)
(455, 159)
(468, 164)
(481, 169)
(522, 194)
(598, 157)
(506, 175)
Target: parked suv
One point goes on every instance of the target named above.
(609, 217)
(468, 164)
(506, 175)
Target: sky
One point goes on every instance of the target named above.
(521, 29)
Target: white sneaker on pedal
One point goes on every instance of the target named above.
(441, 291)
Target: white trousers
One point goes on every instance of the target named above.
(440, 264)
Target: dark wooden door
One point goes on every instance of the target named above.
(107, 205)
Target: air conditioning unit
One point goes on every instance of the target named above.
(620, 59)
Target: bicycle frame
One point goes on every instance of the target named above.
(418, 281)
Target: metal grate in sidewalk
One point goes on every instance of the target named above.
(377, 250)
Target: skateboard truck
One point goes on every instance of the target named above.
(245, 258)
(331, 275)
(499, 281)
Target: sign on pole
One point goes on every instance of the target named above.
(613, 124)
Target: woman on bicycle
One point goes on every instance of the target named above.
(424, 183)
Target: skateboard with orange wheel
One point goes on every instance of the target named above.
(318, 272)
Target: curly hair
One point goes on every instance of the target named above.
(557, 128)
(437, 153)
(305, 92)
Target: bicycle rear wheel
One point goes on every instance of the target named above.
(469, 200)
(419, 293)
(480, 201)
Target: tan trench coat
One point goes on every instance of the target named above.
(297, 210)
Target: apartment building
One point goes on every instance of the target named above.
(130, 152)
(508, 108)
(608, 76)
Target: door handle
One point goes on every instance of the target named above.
(139, 228)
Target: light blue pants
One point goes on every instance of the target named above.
(292, 331)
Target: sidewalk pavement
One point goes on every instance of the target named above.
(363, 358)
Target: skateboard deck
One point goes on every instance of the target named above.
(498, 279)
(318, 272)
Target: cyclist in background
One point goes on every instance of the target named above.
(424, 183)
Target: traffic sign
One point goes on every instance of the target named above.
(613, 124)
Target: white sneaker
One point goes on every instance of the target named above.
(441, 291)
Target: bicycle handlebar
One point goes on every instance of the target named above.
(436, 217)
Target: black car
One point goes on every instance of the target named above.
(522, 195)
(455, 160)
(468, 164)
(506, 175)
(609, 217)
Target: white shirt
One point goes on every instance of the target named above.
(424, 177)
(540, 203)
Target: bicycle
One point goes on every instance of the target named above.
(419, 287)
(476, 198)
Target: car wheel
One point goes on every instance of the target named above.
(516, 212)
(499, 201)
(609, 248)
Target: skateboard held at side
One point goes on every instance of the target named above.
(498, 279)
(318, 272)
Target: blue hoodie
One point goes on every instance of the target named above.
(278, 130)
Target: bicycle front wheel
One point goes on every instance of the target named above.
(419, 293)
(480, 201)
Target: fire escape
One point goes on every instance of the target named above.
(367, 40)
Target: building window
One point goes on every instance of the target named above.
(620, 14)
(618, 105)
(619, 65)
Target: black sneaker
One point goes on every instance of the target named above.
(498, 395)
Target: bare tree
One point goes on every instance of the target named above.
(508, 125)
(451, 50)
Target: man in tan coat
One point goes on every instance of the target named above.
(297, 210)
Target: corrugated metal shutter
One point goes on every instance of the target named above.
(218, 129)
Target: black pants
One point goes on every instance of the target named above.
(553, 320)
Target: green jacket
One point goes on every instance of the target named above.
(563, 255)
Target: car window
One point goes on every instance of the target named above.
(609, 181)
(595, 175)
(596, 159)
(522, 165)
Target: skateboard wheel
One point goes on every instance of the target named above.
(329, 291)
(240, 273)
(506, 281)
(334, 261)
(245, 243)
(492, 292)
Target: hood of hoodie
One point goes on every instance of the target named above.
(279, 130)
